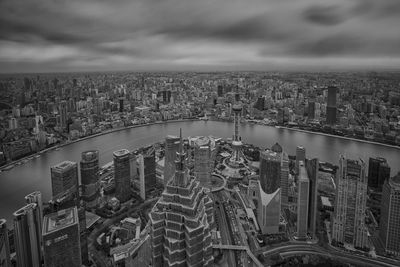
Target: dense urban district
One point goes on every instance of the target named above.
(203, 200)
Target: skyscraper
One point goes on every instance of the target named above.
(27, 236)
(202, 160)
(36, 197)
(302, 202)
(122, 175)
(150, 169)
(61, 238)
(389, 231)
(350, 204)
(181, 221)
(142, 183)
(285, 179)
(378, 172)
(65, 185)
(4, 245)
(312, 167)
(171, 147)
(63, 114)
(331, 108)
(267, 207)
(270, 171)
(311, 110)
(300, 156)
(64, 177)
(89, 167)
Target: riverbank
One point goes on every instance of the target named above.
(7, 166)
(339, 136)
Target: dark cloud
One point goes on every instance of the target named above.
(129, 34)
(324, 15)
(336, 45)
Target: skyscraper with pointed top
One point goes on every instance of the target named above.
(181, 221)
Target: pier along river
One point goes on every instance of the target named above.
(35, 174)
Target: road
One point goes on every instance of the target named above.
(224, 229)
(293, 249)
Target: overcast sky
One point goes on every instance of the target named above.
(76, 35)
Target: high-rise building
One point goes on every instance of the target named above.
(121, 105)
(65, 185)
(270, 171)
(149, 159)
(202, 160)
(27, 236)
(311, 110)
(350, 204)
(302, 202)
(61, 238)
(267, 207)
(63, 109)
(331, 108)
(378, 172)
(36, 197)
(64, 177)
(122, 175)
(300, 156)
(181, 221)
(89, 167)
(171, 148)
(142, 183)
(4, 245)
(389, 231)
(312, 167)
(285, 179)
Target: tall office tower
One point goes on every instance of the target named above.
(270, 171)
(171, 148)
(121, 105)
(202, 161)
(27, 236)
(63, 113)
(4, 245)
(89, 167)
(122, 175)
(285, 179)
(389, 231)
(150, 169)
(300, 156)
(64, 177)
(36, 197)
(61, 239)
(331, 105)
(142, 182)
(302, 202)
(181, 220)
(65, 186)
(267, 207)
(311, 110)
(378, 172)
(312, 167)
(350, 204)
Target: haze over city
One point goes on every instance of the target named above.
(58, 36)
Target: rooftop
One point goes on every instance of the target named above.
(61, 219)
(23, 210)
(63, 165)
(121, 152)
(396, 179)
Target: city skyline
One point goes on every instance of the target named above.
(199, 35)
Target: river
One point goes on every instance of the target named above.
(35, 174)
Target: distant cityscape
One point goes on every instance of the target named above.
(202, 200)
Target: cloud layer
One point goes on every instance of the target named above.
(75, 35)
